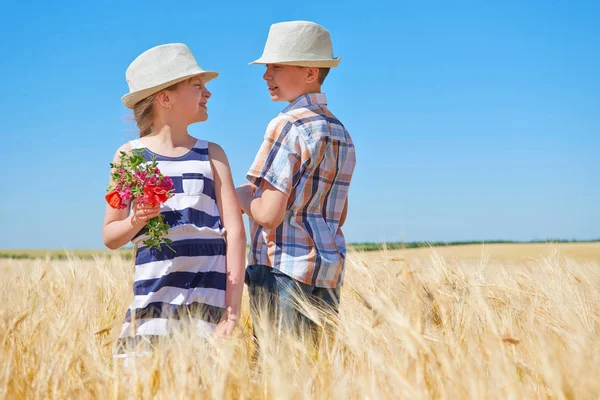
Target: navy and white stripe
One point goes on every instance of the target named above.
(188, 281)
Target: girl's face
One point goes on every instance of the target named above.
(189, 101)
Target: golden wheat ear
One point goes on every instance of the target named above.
(500, 321)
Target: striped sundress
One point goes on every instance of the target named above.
(172, 287)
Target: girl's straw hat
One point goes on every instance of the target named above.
(160, 67)
(300, 43)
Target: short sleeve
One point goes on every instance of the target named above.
(278, 159)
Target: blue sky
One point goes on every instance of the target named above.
(471, 120)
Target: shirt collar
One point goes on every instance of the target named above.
(306, 101)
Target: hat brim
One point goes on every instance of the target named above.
(131, 99)
(330, 63)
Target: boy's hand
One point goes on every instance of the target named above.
(248, 186)
(245, 194)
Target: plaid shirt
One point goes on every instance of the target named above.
(308, 154)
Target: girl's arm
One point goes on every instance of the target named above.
(120, 227)
(231, 216)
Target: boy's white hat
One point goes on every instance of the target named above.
(300, 43)
(160, 67)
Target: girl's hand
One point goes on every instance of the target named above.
(225, 327)
(142, 213)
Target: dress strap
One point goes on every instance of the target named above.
(136, 144)
(201, 144)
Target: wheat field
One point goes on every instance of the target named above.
(478, 322)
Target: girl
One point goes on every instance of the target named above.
(202, 279)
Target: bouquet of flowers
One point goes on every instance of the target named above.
(135, 179)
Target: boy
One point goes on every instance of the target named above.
(297, 198)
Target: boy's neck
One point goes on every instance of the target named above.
(314, 87)
(305, 93)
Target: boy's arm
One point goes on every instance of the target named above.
(277, 162)
(344, 213)
(267, 210)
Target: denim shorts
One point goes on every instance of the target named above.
(278, 294)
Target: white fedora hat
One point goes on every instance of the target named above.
(160, 67)
(300, 43)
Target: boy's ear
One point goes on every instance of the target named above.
(312, 74)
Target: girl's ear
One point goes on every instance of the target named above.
(163, 99)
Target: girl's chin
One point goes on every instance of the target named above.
(201, 117)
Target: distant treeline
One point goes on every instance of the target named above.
(127, 253)
(371, 246)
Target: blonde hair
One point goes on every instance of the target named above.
(143, 112)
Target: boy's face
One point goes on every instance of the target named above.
(288, 82)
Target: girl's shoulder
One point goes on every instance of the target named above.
(135, 144)
(218, 158)
(125, 148)
(215, 151)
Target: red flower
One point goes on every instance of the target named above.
(155, 194)
(114, 199)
